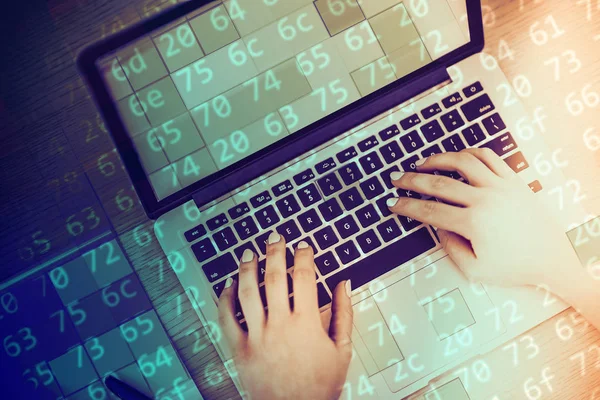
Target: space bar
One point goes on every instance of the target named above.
(384, 260)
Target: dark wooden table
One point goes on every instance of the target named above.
(63, 184)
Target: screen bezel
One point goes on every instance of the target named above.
(230, 178)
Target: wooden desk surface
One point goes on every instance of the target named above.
(57, 152)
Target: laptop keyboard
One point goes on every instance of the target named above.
(339, 205)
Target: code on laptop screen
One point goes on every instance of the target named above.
(237, 76)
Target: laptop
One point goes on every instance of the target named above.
(235, 119)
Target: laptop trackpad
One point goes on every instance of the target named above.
(421, 323)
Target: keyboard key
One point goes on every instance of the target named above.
(238, 210)
(239, 251)
(385, 176)
(535, 186)
(411, 141)
(391, 152)
(260, 199)
(452, 100)
(502, 144)
(430, 111)
(473, 134)
(310, 220)
(325, 166)
(217, 222)
(350, 173)
(368, 144)
(267, 217)
(473, 89)
(493, 124)
(435, 149)
(408, 223)
(220, 267)
(517, 162)
(382, 205)
(282, 188)
(371, 163)
(351, 199)
(367, 216)
(386, 259)
(246, 228)
(432, 131)
(304, 177)
(309, 242)
(346, 226)
(203, 250)
(326, 263)
(409, 194)
(454, 143)
(478, 107)
(372, 187)
(329, 184)
(288, 206)
(452, 120)
(409, 165)
(326, 238)
(409, 122)
(389, 230)
(309, 195)
(195, 233)
(346, 155)
(368, 241)
(331, 209)
(225, 239)
(262, 241)
(347, 252)
(389, 132)
(289, 230)
(218, 287)
(322, 295)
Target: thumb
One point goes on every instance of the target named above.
(340, 330)
(458, 248)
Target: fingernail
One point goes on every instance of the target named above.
(302, 245)
(228, 282)
(274, 237)
(247, 256)
(420, 162)
(396, 175)
(348, 288)
(392, 201)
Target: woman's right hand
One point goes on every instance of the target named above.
(493, 227)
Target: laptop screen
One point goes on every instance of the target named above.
(234, 77)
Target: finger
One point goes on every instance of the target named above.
(492, 161)
(459, 249)
(248, 293)
(442, 187)
(471, 168)
(340, 330)
(433, 213)
(305, 283)
(227, 320)
(276, 279)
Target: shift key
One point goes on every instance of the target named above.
(220, 267)
(385, 260)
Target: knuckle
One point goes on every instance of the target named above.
(272, 249)
(487, 152)
(438, 182)
(429, 208)
(247, 268)
(273, 278)
(303, 273)
(245, 293)
(409, 179)
(464, 157)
